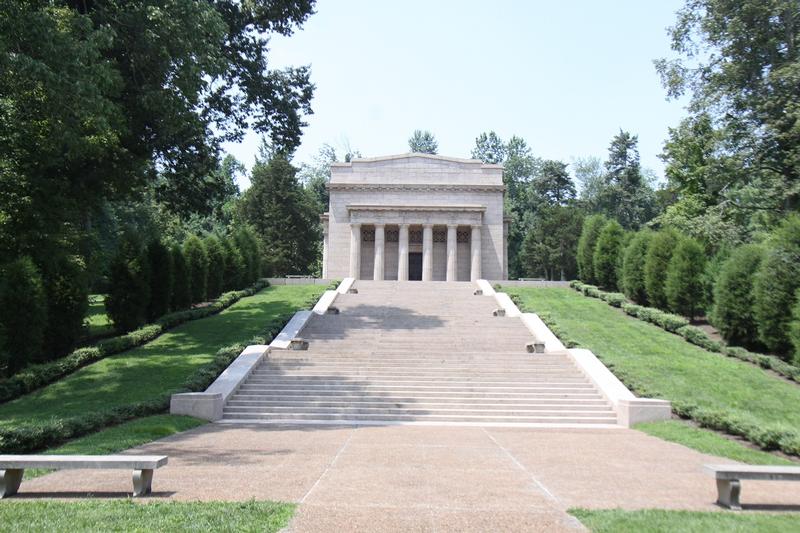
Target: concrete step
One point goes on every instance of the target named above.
(504, 379)
(367, 402)
(400, 394)
(459, 411)
(348, 417)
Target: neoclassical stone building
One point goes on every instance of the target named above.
(415, 217)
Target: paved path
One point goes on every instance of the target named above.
(413, 478)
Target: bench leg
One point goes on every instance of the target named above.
(728, 493)
(142, 479)
(10, 480)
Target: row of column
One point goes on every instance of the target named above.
(427, 252)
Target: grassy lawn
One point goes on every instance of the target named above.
(658, 521)
(160, 366)
(709, 442)
(659, 364)
(126, 515)
(121, 437)
(96, 317)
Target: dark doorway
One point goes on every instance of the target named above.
(415, 266)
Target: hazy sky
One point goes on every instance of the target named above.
(564, 75)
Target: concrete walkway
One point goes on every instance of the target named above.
(412, 478)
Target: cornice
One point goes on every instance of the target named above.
(417, 187)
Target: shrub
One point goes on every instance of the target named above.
(161, 279)
(592, 226)
(656, 263)
(632, 309)
(606, 253)
(614, 299)
(67, 293)
(685, 274)
(247, 243)
(181, 288)
(794, 328)
(776, 281)
(129, 291)
(196, 267)
(699, 337)
(234, 266)
(733, 296)
(216, 266)
(590, 290)
(23, 314)
(633, 267)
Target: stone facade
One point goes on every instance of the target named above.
(415, 216)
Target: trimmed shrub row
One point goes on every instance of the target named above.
(37, 376)
(680, 326)
(41, 435)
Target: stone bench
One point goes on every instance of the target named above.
(729, 476)
(13, 466)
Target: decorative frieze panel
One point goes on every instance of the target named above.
(438, 215)
(439, 235)
(368, 234)
(415, 236)
(392, 235)
(463, 235)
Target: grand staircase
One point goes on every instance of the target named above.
(417, 352)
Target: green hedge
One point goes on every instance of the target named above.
(37, 376)
(42, 435)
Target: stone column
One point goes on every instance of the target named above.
(355, 250)
(402, 252)
(377, 272)
(427, 252)
(475, 251)
(452, 252)
(325, 245)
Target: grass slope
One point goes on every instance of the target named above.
(709, 442)
(121, 437)
(659, 521)
(659, 364)
(126, 515)
(159, 366)
(96, 317)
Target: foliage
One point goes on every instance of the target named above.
(684, 287)
(67, 295)
(776, 282)
(36, 376)
(656, 263)
(606, 253)
(235, 267)
(549, 247)
(23, 314)
(181, 288)
(699, 337)
(633, 267)
(129, 293)
(422, 142)
(489, 148)
(247, 243)
(196, 267)
(282, 216)
(159, 262)
(216, 266)
(794, 328)
(733, 313)
(592, 226)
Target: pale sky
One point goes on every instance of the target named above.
(565, 76)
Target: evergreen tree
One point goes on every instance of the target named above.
(656, 262)
(197, 267)
(181, 280)
(592, 226)
(129, 294)
(775, 284)
(684, 286)
(216, 266)
(67, 293)
(23, 315)
(489, 148)
(794, 328)
(282, 217)
(606, 253)
(161, 279)
(633, 267)
(422, 142)
(733, 313)
(235, 267)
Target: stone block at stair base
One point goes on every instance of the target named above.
(634, 411)
(203, 405)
